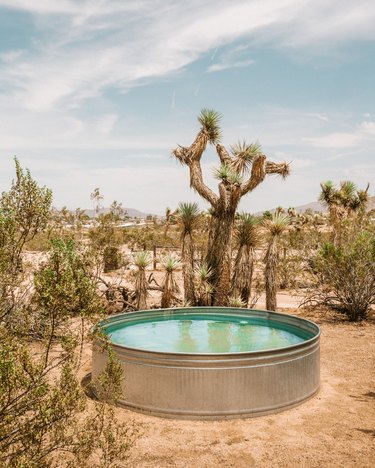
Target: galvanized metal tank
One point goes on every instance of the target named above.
(216, 386)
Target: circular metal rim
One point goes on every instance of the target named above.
(117, 318)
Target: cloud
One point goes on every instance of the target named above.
(368, 127)
(334, 140)
(362, 133)
(67, 91)
(224, 66)
(90, 47)
(318, 116)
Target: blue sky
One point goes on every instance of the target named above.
(97, 93)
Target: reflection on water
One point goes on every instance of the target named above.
(205, 334)
(219, 336)
(185, 342)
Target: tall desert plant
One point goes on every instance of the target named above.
(240, 173)
(274, 227)
(169, 285)
(247, 238)
(141, 260)
(187, 216)
(204, 288)
(342, 202)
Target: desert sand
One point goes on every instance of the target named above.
(336, 428)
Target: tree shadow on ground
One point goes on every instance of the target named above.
(367, 431)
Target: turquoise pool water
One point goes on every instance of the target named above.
(205, 333)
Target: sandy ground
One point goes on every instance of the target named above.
(334, 429)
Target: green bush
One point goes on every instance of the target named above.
(345, 274)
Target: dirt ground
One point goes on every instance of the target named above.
(336, 428)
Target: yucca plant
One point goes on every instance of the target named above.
(188, 214)
(246, 238)
(204, 288)
(169, 285)
(236, 301)
(274, 228)
(141, 260)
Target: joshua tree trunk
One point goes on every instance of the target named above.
(270, 275)
(243, 273)
(141, 290)
(219, 253)
(187, 215)
(141, 260)
(275, 227)
(232, 188)
(188, 269)
(169, 286)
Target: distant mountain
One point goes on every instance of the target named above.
(132, 212)
(320, 207)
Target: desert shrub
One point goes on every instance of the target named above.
(345, 275)
(112, 258)
(105, 239)
(42, 423)
(63, 287)
(24, 212)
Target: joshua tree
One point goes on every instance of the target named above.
(247, 238)
(169, 285)
(342, 202)
(275, 227)
(188, 214)
(240, 173)
(141, 260)
(96, 198)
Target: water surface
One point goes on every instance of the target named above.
(205, 333)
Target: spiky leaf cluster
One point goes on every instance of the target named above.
(246, 230)
(277, 224)
(228, 174)
(171, 262)
(204, 272)
(236, 301)
(187, 214)
(244, 155)
(210, 121)
(142, 259)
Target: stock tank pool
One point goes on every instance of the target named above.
(212, 362)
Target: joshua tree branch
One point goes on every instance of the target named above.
(196, 182)
(223, 155)
(235, 195)
(191, 157)
(260, 169)
(194, 152)
(282, 169)
(223, 194)
(258, 173)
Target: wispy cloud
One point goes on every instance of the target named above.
(318, 116)
(362, 133)
(132, 41)
(368, 127)
(224, 66)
